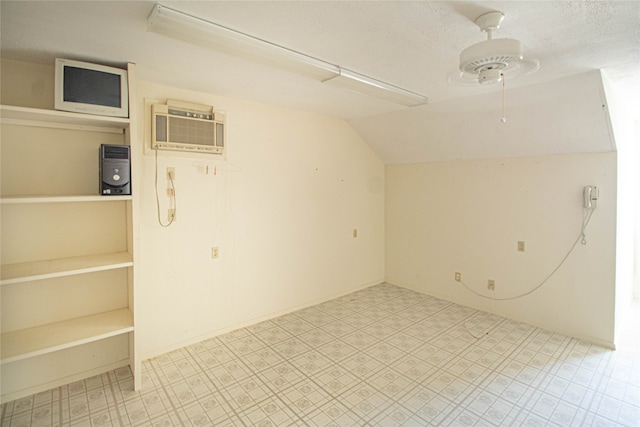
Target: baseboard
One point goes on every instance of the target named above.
(19, 394)
(217, 332)
(551, 328)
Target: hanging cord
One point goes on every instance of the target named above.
(586, 216)
(504, 117)
(484, 334)
(172, 197)
(581, 238)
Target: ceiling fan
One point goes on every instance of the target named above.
(490, 61)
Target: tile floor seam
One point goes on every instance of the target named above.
(115, 400)
(492, 370)
(218, 389)
(4, 413)
(380, 356)
(358, 350)
(439, 370)
(175, 411)
(60, 419)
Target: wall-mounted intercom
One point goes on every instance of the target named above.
(590, 197)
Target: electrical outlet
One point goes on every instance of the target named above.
(520, 246)
(171, 215)
(215, 252)
(171, 174)
(492, 285)
(458, 277)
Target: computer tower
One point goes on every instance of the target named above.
(115, 170)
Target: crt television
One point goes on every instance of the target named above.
(91, 88)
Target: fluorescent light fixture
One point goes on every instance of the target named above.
(191, 29)
(366, 85)
(197, 31)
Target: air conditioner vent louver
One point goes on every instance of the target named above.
(187, 131)
(181, 126)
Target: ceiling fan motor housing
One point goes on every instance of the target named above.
(488, 59)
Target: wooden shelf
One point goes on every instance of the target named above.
(54, 118)
(26, 343)
(41, 221)
(38, 270)
(15, 200)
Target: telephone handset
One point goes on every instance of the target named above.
(590, 197)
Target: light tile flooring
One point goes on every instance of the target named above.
(382, 356)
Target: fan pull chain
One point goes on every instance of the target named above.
(504, 118)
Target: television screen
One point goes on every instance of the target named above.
(88, 88)
(91, 87)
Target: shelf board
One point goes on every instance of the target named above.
(26, 343)
(38, 270)
(16, 200)
(55, 118)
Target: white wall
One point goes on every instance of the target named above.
(623, 126)
(467, 216)
(281, 207)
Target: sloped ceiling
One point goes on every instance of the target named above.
(414, 45)
(566, 115)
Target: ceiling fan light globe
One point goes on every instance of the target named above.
(490, 76)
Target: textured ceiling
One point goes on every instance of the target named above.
(539, 121)
(414, 45)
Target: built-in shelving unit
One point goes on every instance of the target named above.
(61, 119)
(67, 252)
(59, 199)
(31, 342)
(48, 269)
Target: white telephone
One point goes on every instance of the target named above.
(590, 197)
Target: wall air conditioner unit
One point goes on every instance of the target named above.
(182, 126)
